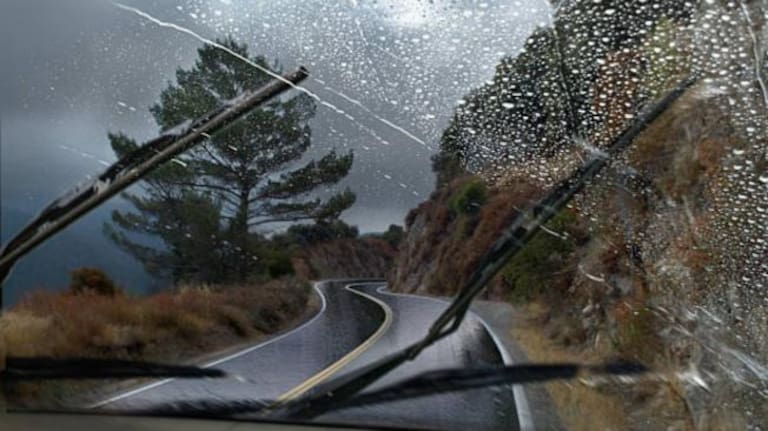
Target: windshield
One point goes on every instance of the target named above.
(284, 197)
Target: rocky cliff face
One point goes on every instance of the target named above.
(662, 258)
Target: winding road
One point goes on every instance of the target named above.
(358, 322)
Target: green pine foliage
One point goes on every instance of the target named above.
(394, 235)
(206, 206)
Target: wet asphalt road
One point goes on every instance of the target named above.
(346, 320)
(470, 346)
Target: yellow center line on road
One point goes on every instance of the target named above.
(344, 360)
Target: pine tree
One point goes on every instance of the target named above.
(206, 205)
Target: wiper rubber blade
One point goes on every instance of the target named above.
(462, 379)
(339, 391)
(38, 368)
(422, 385)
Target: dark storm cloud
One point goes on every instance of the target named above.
(73, 70)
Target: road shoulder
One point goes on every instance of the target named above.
(501, 318)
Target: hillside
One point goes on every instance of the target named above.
(448, 234)
(345, 258)
(660, 260)
(609, 276)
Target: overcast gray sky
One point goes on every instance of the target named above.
(73, 70)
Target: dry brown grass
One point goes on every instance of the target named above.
(643, 405)
(580, 407)
(161, 326)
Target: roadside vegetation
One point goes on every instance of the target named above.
(87, 320)
(94, 318)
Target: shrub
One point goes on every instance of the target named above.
(92, 280)
(309, 234)
(537, 264)
(17, 329)
(237, 320)
(469, 198)
(278, 263)
(393, 235)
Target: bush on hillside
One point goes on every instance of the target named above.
(165, 326)
(393, 235)
(278, 263)
(92, 280)
(469, 198)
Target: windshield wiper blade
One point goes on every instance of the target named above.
(134, 166)
(328, 396)
(422, 385)
(38, 368)
(461, 379)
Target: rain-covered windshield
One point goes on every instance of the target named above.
(286, 192)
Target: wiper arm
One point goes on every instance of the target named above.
(134, 166)
(339, 391)
(422, 385)
(17, 369)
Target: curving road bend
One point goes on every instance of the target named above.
(357, 324)
(472, 345)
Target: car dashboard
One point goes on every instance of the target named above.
(17, 421)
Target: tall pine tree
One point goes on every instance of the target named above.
(206, 205)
